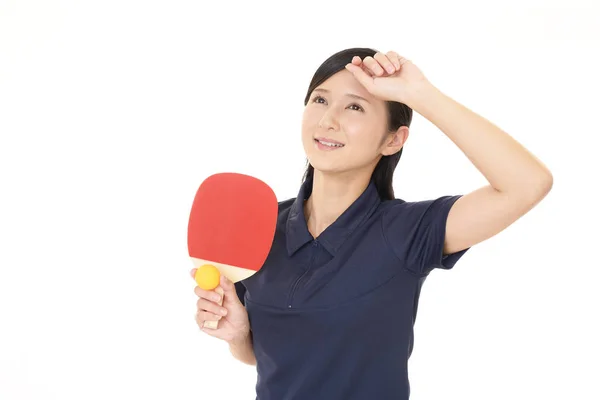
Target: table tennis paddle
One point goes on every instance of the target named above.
(231, 229)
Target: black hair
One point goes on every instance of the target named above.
(399, 114)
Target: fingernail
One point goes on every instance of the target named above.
(391, 69)
(217, 298)
(223, 311)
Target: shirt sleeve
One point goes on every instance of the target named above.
(416, 232)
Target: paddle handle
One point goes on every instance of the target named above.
(215, 324)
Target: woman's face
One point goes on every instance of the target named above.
(343, 132)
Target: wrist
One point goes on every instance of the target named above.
(240, 340)
(419, 95)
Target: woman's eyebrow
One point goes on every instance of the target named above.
(347, 94)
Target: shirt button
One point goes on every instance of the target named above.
(315, 243)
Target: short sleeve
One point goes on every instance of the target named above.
(241, 291)
(416, 231)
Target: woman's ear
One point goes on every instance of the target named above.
(395, 141)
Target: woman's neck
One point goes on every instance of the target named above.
(331, 196)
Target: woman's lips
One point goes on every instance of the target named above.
(328, 144)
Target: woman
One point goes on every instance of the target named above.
(331, 313)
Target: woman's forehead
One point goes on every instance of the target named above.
(343, 83)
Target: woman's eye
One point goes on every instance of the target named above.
(358, 108)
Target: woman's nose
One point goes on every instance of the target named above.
(329, 120)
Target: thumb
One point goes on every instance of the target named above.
(360, 75)
(229, 291)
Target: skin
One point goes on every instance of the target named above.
(361, 125)
(234, 327)
(517, 180)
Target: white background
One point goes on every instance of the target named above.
(113, 112)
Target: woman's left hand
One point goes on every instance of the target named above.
(389, 77)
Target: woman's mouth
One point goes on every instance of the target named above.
(328, 144)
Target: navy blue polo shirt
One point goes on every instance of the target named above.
(332, 317)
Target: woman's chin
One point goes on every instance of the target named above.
(327, 168)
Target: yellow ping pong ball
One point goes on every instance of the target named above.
(207, 277)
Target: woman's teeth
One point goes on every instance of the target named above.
(330, 144)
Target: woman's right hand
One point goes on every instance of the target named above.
(234, 325)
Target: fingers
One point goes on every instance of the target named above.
(373, 66)
(230, 296)
(380, 63)
(226, 284)
(397, 59)
(203, 316)
(385, 62)
(207, 322)
(208, 311)
(365, 79)
(207, 294)
(394, 59)
(209, 306)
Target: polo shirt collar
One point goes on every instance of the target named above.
(334, 236)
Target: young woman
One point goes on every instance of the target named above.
(330, 315)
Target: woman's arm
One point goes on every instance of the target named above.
(517, 179)
(243, 350)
